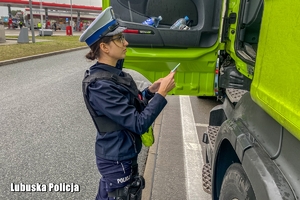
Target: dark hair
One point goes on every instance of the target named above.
(95, 48)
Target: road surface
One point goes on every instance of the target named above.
(47, 135)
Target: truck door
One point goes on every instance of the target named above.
(154, 52)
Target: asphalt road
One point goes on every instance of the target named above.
(47, 135)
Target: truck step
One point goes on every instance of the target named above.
(206, 178)
(235, 95)
(212, 134)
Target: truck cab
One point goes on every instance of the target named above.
(245, 53)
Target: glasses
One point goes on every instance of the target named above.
(120, 39)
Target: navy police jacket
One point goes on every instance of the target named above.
(113, 100)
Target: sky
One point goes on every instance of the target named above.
(4, 9)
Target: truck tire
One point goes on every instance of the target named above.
(236, 185)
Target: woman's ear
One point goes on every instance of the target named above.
(104, 47)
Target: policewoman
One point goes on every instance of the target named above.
(121, 113)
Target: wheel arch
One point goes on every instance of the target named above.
(234, 145)
(225, 157)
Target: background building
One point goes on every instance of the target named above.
(79, 16)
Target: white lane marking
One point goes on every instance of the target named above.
(201, 125)
(193, 160)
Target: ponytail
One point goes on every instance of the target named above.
(90, 55)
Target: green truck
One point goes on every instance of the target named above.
(246, 54)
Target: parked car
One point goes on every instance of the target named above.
(15, 23)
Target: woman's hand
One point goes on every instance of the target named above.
(155, 86)
(167, 84)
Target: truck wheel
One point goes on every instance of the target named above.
(236, 185)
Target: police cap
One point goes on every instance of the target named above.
(104, 25)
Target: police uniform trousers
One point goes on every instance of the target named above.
(115, 174)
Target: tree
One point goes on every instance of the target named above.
(15, 12)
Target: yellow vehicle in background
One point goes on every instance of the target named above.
(246, 53)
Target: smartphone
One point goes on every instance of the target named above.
(173, 70)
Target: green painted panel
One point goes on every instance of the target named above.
(275, 85)
(105, 4)
(194, 76)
